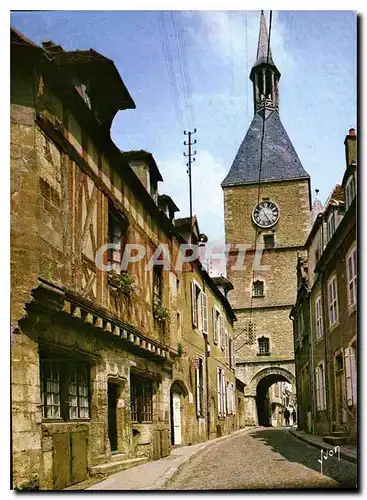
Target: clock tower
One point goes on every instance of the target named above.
(267, 219)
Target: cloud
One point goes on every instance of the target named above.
(207, 175)
(228, 32)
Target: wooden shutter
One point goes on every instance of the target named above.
(322, 374)
(204, 312)
(226, 346)
(219, 392)
(198, 382)
(348, 376)
(317, 388)
(224, 395)
(222, 339)
(215, 327)
(353, 371)
(194, 305)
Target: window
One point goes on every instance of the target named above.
(263, 346)
(221, 392)
(331, 225)
(352, 277)
(157, 284)
(204, 310)
(222, 334)
(258, 288)
(269, 241)
(350, 191)
(116, 234)
(141, 399)
(320, 387)
(333, 301)
(226, 338)
(351, 375)
(319, 325)
(216, 325)
(199, 388)
(199, 308)
(233, 356)
(64, 389)
(276, 390)
(249, 333)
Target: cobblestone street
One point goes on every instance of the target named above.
(263, 458)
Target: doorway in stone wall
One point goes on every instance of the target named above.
(112, 393)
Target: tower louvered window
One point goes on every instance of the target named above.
(249, 333)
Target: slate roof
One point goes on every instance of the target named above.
(280, 160)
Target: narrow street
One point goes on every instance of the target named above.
(263, 458)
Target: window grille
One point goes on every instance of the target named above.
(258, 288)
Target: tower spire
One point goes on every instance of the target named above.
(264, 74)
(263, 45)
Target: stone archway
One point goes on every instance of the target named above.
(256, 393)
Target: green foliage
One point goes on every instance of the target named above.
(161, 313)
(180, 349)
(124, 282)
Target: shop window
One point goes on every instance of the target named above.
(64, 389)
(141, 399)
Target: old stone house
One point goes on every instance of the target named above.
(109, 367)
(325, 314)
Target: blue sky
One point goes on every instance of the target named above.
(315, 52)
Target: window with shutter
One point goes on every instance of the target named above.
(199, 388)
(224, 395)
(219, 391)
(333, 301)
(348, 376)
(317, 388)
(352, 276)
(319, 325)
(226, 346)
(222, 335)
(204, 310)
(215, 325)
(194, 306)
(353, 370)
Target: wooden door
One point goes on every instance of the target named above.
(112, 415)
(176, 405)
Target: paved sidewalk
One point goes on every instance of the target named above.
(154, 475)
(347, 451)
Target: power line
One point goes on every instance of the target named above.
(186, 67)
(170, 67)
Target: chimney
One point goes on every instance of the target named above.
(51, 47)
(350, 143)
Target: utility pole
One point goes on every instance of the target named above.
(190, 155)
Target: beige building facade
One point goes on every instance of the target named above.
(111, 366)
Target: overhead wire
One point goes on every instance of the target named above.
(170, 67)
(258, 190)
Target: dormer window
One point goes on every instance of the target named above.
(350, 191)
(331, 225)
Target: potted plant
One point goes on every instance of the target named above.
(122, 282)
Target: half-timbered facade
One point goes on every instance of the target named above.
(104, 367)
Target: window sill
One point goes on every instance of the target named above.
(263, 354)
(258, 296)
(333, 326)
(352, 309)
(319, 339)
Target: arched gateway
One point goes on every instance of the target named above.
(257, 389)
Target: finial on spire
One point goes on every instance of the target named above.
(263, 45)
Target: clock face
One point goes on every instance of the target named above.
(265, 214)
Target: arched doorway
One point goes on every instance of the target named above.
(178, 394)
(260, 411)
(264, 404)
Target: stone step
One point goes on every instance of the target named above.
(118, 457)
(112, 467)
(339, 433)
(335, 440)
